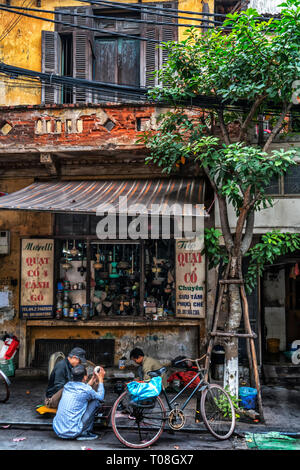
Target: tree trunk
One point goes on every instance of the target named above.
(231, 371)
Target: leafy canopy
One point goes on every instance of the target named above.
(235, 168)
(250, 58)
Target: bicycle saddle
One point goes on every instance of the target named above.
(158, 372)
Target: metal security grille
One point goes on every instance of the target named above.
(98, 351)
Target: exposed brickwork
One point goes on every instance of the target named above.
(72, 126)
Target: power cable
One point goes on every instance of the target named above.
(141, 6)
(135, 93)
(133, 20)
(13, 23)
(86, 28)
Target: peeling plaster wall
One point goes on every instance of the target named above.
(163, 343)
(20, 224)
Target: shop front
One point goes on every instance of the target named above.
(112, 279)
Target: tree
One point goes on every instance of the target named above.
(246, 61)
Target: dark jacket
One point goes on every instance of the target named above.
(61, 374)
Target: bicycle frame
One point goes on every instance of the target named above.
(203, 387)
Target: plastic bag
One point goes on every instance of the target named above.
(143, 390)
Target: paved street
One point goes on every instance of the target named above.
(46, 440)
(281, 411)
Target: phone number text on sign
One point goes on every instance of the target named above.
(190, 278)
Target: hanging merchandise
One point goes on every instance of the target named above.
(297, 271)
(97, 264)
(113, 273)
(66, 265)
(74, 251)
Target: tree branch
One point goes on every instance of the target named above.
(223, 127)
(245, 245)
(223, 213)
(278, 127)
(249, 118)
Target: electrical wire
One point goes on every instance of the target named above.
(86, 28)
(141, 6)
(135, 94)
(133, 20)
(13, 23)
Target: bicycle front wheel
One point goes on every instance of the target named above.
(218, 412)
(135, 425)
(4, 389)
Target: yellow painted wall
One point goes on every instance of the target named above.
(20, 224)
(20, 44)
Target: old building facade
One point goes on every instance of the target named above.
(66, 147)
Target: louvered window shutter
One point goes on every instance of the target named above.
(73, 20)
(50, 64)
(65, 18)
(82, 64)
(168, 33)
(154, 56)
(150, 50)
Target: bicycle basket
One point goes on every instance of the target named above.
(142, 391)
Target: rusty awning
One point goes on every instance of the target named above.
(154, 196)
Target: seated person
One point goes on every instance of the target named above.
(78, 406)
(146, 364)
(61, 374)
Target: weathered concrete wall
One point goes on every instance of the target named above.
(284, 215)
(163, 342)
(266, 6)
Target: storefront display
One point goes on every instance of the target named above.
(115, 279)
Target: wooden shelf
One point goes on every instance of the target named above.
(114, 322)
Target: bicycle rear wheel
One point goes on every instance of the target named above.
(218, 412)
(137, 426)
(4, 388)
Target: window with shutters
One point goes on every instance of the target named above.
(121, 48)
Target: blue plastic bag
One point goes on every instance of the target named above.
(143, 390)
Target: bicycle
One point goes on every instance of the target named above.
(140, 424)
(4, 387)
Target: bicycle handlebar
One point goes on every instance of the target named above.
(192, 360)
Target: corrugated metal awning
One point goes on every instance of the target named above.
(156, 196)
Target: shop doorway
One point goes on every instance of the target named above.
(281, 320)
(292, 303)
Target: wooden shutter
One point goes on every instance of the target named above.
(129, 62)
(150, 53)
(50, 64)
(74, 20)
(106, 65)
(154, 57)
(82, 63)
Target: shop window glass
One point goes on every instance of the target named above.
(292, 180)
(71, 224)
(274, 186)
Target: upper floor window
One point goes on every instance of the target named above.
(101, 54)
(287, 185)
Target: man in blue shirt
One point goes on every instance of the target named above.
(78, 405)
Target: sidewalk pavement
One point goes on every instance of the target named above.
(281, 406)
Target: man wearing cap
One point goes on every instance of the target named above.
(61, 374)
(78, 405)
